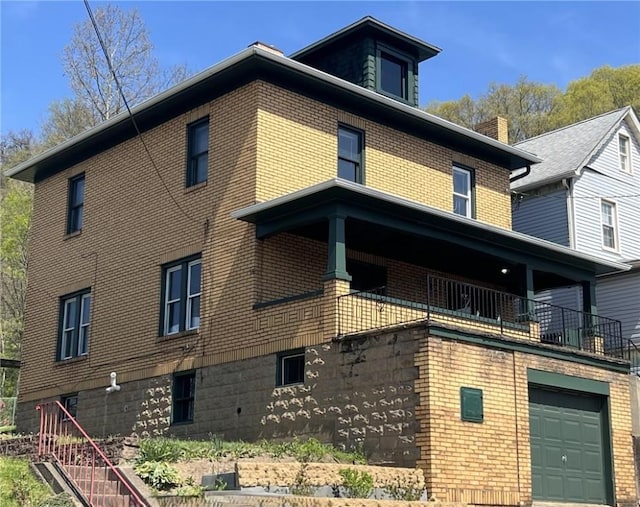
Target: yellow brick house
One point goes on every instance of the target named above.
(304, 252)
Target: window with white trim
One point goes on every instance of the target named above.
(75, 317)
(181, 296)
(462, 191)
(609, 223)
(290, 368)
(624, 149)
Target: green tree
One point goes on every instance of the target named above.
(604, 90)
(526, 104)
(15, 220)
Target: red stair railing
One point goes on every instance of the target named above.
(89, 469)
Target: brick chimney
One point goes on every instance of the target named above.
(267, 47)
(497, 127)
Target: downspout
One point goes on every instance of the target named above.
(567, 184)
(522, 175)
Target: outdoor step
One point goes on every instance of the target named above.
(114, 501)
(100, 487)
(84, 472)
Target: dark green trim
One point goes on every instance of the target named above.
(526, 348)
(589, 302)
(418, 221)
(337, 254)
(289, 299)
(543, 379)
(188, 373)
(546, 378)
(407, 63)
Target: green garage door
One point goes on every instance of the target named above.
(567, 462)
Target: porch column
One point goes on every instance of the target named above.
(589, 297)
(336, 256)
(527, 291)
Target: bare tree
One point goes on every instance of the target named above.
(131, 52)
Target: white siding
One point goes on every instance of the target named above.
(543, 216)
(604, 179)
(619, 298)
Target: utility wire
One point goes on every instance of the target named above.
(126, 104)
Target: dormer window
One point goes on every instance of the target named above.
(393, 75)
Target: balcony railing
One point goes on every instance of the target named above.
(465, 305)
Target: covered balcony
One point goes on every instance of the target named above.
(430, 265)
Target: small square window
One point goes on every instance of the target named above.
(70, 404)
(290, 368)
(75, 318)
(463, 192)
(182, 282)
(393, 75)
(609, 224)
(184, 391)
(624, 148)
(350, 155)
(198, 163)
(75, 207)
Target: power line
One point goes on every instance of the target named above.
(126, 104)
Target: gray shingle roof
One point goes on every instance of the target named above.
(566, 150)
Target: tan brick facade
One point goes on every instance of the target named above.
(266, 142)
(500, 470)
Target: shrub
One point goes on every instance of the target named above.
(357, 484)
(301, 486)
(409, 491)
(190, 489)
(159, 449)
(158, 475)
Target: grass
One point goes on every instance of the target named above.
(172, 450)
(18, 486)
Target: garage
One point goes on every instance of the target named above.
(569, 446)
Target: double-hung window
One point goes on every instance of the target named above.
(624, 148)
(290, 368)
(184, 393)
(462, 191)
(75, 317)
(609, 223)
(198, 158)
(350, 155)
(181, 296)
(75, 206)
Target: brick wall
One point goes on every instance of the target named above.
(498, 468)
(132, 227)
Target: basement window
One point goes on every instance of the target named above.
(290, 368)
(184, 391)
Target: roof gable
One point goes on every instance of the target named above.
(566, 151)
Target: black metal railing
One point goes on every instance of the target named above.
(633, 356)
(462, 304)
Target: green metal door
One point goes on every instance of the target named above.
(567, 461)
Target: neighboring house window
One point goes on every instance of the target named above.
(75, 316)
(609, 225)
(367, 277)
(76, 204)
(181, 295)
(198, 164)
(624, 147)
(290, 368)
(462, 191)
(350, 155)
(70, 403)
(184, 391)
(393, 75)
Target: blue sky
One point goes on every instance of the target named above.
(551, 42)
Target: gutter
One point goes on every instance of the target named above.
(293, 66)
(521, 175)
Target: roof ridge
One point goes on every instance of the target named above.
(625, 108)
